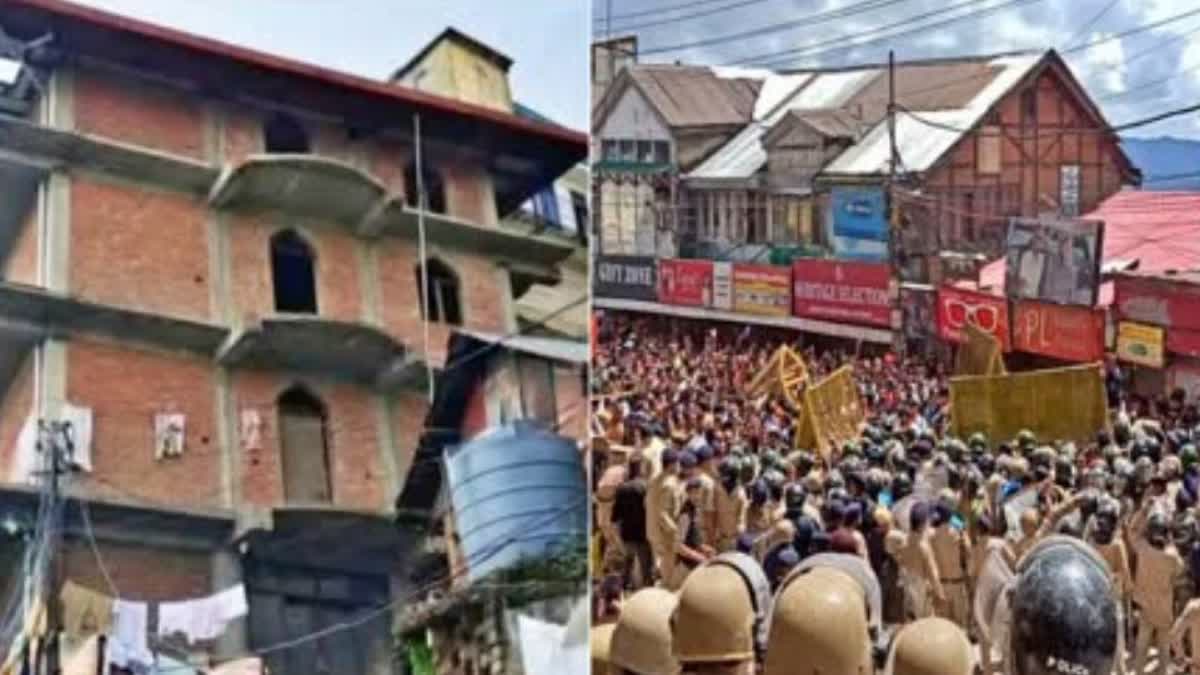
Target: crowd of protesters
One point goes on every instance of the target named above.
(691, 464)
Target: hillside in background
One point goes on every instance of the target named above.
(1164, 157)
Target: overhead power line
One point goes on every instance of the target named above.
(880, 34)
(1115, 129)
(633, 28)
(820, 17)
(1083, 32)
(1132, 31)
(600, 18)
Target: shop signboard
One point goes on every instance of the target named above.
(685, 282)
(958, 307)
(764, 290)
(626, 277)
(843, 291)
(1066, 332)
(1140, 344)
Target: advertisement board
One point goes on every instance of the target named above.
(860, 226)
(625, 276)
(919, 306)
(1054, 260)
(762, 289)
(685, 282)
(1060, 403)
(1141, 344)
(842, 291)
(957, 308)
(723, 286)
(1162, 304)
(1061, 331)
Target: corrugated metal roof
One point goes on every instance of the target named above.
(775, 90)
(695, 96)
(953, 93)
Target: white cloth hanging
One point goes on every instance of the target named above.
(202, 619)
(251, 429)
(80, 419)
(127, 646)
(26, 459)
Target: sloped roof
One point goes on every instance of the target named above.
(689, 96)
(953, 92)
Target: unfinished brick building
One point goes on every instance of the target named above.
(214, 254)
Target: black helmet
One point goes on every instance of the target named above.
(1108, 514)
(1064, 473)
(794, 497)
(775, 480)
(1064, 618)
(1122, 433)
(901, 487)
(729, 469)
(1157, 529)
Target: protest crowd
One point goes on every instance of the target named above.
(723, 544)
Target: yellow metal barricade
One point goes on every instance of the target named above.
(1056, 404)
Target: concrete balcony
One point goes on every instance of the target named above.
(307, 185)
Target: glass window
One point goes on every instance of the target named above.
(628, 151)
(609, 150)
(662, 152)
(645, 151)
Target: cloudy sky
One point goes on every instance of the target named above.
(1130, 77)
(547, 39)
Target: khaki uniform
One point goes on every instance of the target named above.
(731, 516)
(664, 498)
(1117, 558)
(781, 531)
(1188, 626)
(1153, 591)
(919, 575)
(952, 549)
(707, 509)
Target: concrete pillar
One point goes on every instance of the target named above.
(228, 439)
(507, 301)
(226, 572)
(367, 256)
(392, 480)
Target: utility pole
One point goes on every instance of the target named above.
(890, 210)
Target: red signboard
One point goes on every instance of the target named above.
(836, 290)
(1183, 341)
(1065, 332)
(1170, 305)
(957, 307)
(685, 282)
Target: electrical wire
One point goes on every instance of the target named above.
(656, 10)
(685, 17)
(1083, 32)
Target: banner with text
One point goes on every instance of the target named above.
(1140, 344)
(1062, 331)
(762, 289)
(834, 290)
(686, 282)
(723, 286)
(625, 276)
(957, 308)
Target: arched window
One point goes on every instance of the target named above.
(293, 274)
(303, 442)
(435, 187)
(282, 134)
(444, 306)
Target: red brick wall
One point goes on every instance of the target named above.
(387, 161)
(338, 295)
(571, 400)
(355, 465)
(139, 573)
(125, 388)
(139, 113)
(407, 424)
(22, 263)
(139, 248)
(331, 141)
(14, 409)
(243, 135)
(467, 195)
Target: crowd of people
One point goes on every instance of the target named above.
(693, 468)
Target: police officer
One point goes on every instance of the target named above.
(820, 624)
(952, 550)
(716, 624)
(1158, 567)
(1108, 542)
(663, 503)
(1064, 618)
(641, 638)
(731, 505)
(932, 646)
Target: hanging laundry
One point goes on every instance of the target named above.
(168, 435)
(251, 431)
(80, 420)
(27, 460)
(251, 666)
(85, 612)
(127, 646)
(202, 619)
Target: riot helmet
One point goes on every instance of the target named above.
(932, 646)
(819, 624)
(641, 640)
(714, 620)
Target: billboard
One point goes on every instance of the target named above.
(625, 276)
(844, 291)
(919, 306)
(1062, 331)
(1165, 304)
(1054, 260)
(860, 226)
(723, 286)
(762, 289)
(1140, 344)
(685, 282)
(958, 308)
(1056, 404)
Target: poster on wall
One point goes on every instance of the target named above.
(762, 289)
(1140, 344)
(625, 276)
(685, 282)
(957, 308)
(859, 223)
(723, 286)
(1061, 331)
(843, 291)
(1054, 260)
(918, 303)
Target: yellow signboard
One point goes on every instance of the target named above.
(1057, 404)
(981, 354)
(1140, 344)
(834, 410)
